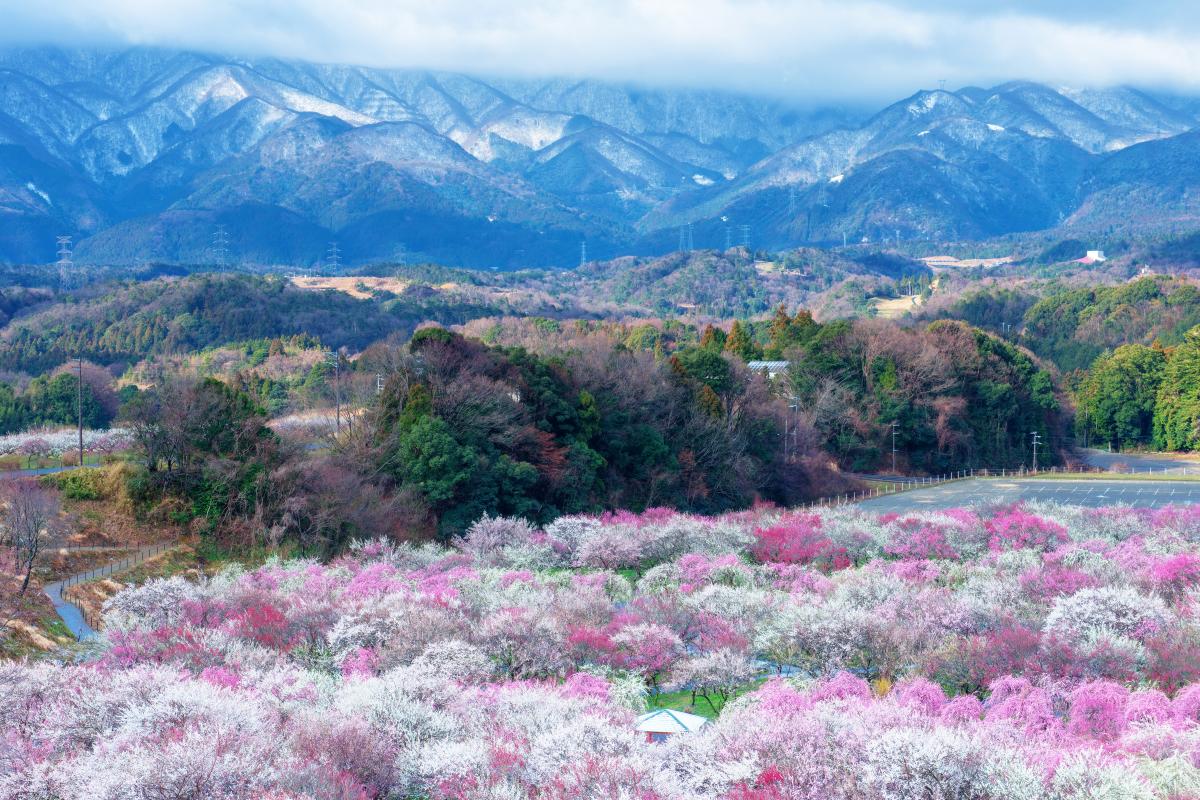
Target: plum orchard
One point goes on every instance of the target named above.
(1036, 652)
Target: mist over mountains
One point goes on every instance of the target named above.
(140, 154)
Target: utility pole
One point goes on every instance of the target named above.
(1036, 441)
(336, 357)
(895, 426)
(79, 403)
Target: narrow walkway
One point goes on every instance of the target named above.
(71, 614)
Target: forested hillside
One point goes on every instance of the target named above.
(1073, 327)
(960, 397)
(1138, 396)
(126, 322)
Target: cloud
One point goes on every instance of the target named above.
(818, 49)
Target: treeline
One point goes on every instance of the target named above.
(56, 399)
(960, 397)
(127, 322)
(462, 429)
(281, 374)
(1139, 396)
(1072, 327)
(957, 397)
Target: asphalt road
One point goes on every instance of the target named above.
(1084, 492)
(1139, 462)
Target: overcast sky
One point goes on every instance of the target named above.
(804, 49)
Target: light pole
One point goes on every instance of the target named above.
(79, 404)
(895, 425)
(337, 386)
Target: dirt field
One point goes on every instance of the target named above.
(949, 262)
(355, 287)
(892, 308)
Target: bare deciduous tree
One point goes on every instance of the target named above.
(30, 521)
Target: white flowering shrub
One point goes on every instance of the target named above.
(1029, 653)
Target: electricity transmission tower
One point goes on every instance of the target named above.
(220, 246)
(583, 252)
(746, 237)
(728, 237)
(791, 201)
(686, 242)
(334, 259)
(66, 262)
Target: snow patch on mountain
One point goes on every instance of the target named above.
(31, 186)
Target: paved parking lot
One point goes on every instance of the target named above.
(1091, 493)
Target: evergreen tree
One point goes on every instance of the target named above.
(741, 344)
(1177, 411)
(1116, 402)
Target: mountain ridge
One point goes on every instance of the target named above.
(141, 153)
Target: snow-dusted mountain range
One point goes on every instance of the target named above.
(141, 154)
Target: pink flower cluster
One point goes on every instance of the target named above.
(1039, 652)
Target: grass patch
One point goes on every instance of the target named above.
(682, 701)
(175, 561)
(212, 556)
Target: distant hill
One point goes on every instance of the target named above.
(1073, 327)
(141, 154)
(121, 323)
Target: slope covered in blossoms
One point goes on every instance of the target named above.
(1038, 652)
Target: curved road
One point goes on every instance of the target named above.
(1089, 492)
(1140, 462)
(70, 613)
